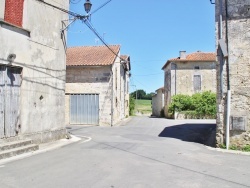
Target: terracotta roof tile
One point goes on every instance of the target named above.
(197, 56)
(91, 55)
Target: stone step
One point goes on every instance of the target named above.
(14, 144)
(18, 151)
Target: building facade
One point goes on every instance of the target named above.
(95, 73)
(233, 71)
(188, 74)
(32, 70)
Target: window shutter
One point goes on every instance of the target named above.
(14, 12)
(197, 82)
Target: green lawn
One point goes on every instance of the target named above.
(143, 106)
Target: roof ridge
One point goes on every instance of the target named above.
(115, 45)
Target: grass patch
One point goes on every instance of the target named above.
(143, 106)
(236, 148)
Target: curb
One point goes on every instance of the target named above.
(236, 152)
(45, 148)
(123, 122)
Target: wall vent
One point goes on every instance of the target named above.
(238, 123)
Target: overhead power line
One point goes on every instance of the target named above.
(85, 20)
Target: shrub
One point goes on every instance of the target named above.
(131, 105)
(199, 105)
(246, 148)
(180, 103)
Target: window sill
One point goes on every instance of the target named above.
(14, 28)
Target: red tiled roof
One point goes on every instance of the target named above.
(91, 55)
(197, 56)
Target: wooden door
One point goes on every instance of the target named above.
(10, 81)
(2, 86)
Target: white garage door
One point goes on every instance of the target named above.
(84, 109)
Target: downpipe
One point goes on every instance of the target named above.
(228, 119)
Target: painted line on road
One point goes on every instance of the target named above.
(88, 138)
(2, 166)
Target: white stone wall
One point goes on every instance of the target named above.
(158, 103)
(42, 57)
(239, 69)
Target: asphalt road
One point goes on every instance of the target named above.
(144, 153)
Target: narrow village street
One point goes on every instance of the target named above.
(143, 153)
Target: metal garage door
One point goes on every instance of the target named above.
(84, 109)
(10, 81)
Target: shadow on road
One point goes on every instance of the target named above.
(191, 132)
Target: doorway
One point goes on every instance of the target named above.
(10, 82)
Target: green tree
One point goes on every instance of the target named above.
(140, 94)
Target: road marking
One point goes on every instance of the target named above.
(86, 137)
(2, 166)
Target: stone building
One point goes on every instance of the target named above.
(97, 85)
(188, 74)
(233, 71)
(32, 70)
(158, 102)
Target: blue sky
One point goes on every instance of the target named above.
(151, 32)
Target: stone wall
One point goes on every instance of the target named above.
(90, 80)
(238, 24)
(179, 79)
(185, 77)
(110, 82)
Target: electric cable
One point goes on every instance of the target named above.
(74, 2)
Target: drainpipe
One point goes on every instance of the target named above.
(112, 95)
(175, 77)
(221, 54)
(228, 83)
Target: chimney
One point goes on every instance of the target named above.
(182, 54)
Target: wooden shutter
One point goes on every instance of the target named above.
(14, 12)
(197, 83)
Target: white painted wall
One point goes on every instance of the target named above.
(42, 57)
(2, 6)
(158, 103)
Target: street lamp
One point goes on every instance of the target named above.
(87, 6)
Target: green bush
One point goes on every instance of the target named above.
(180, 103)
(246, 148)
(199, 105)
(131, 105)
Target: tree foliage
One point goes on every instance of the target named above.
(141, 94)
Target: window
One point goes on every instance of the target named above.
(196, 67)
(197, 83)
(14, 12)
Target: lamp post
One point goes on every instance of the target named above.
(87, 6)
